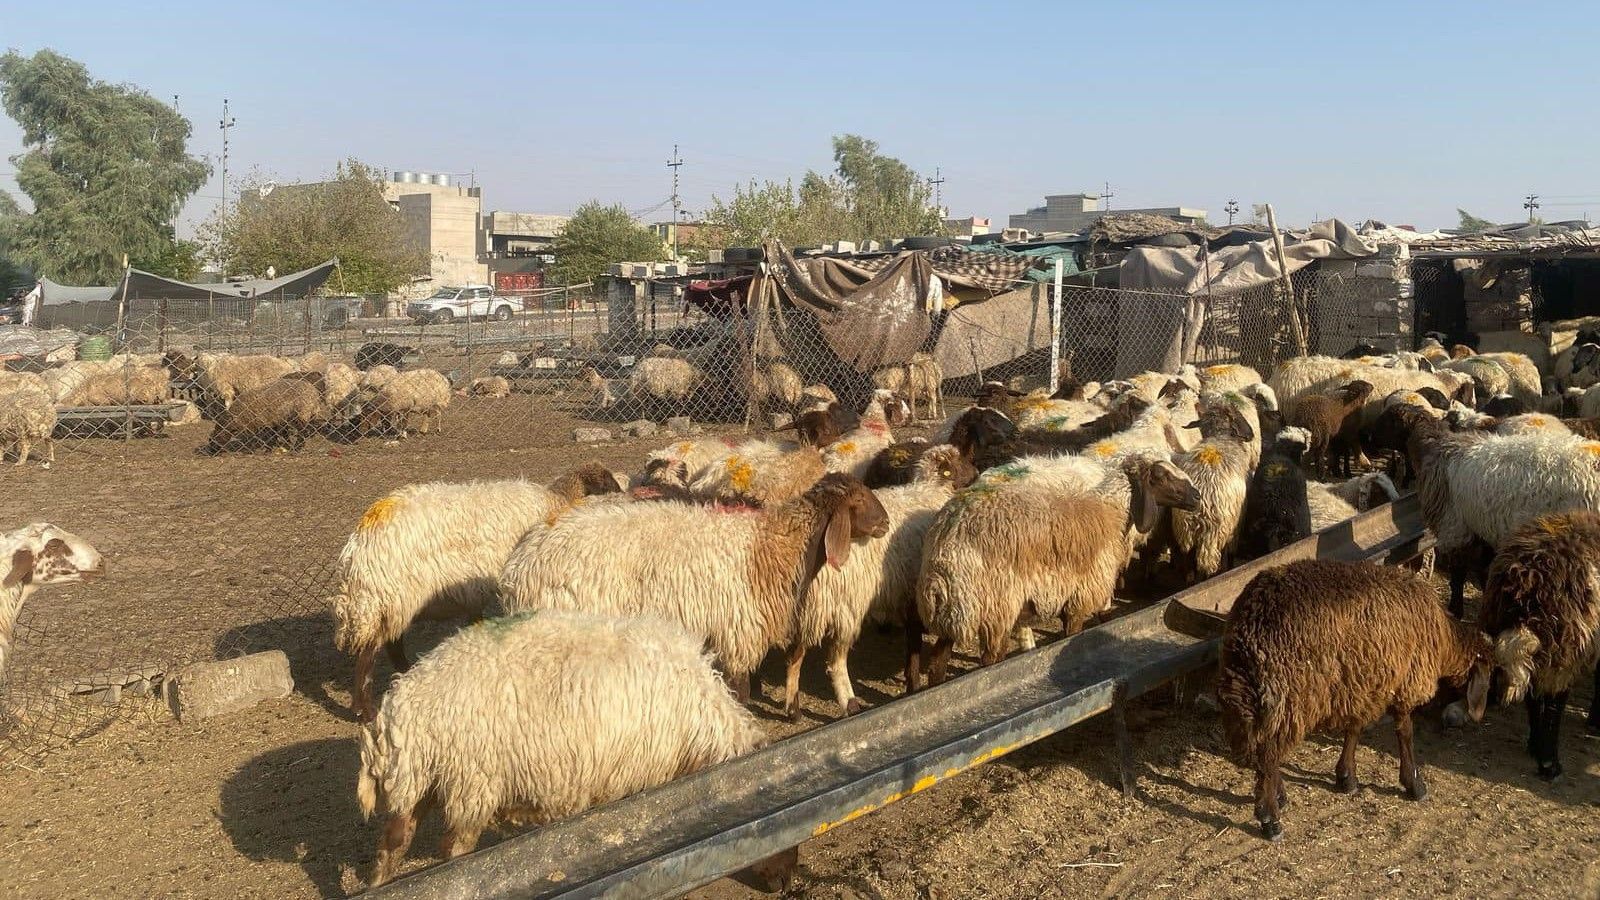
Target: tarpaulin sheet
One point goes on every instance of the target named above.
(1232, 269)
(991, 272)
(867, 322)
(998, 330)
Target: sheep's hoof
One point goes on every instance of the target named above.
(1272, 831)
(1550, 771)
(1283, 798)
(794, 713)
(1347, 784)
(1418, 789)
(854, 707)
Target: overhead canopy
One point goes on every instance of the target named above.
(60, 304)
(1228, 270)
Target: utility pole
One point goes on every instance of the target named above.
(674, 164)
(938, 193)
(1232, 209)
(1105, 198)
(1531, 204)
(226, 123)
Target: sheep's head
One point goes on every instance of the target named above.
(1292, 442)
(41, 554)
(980, 428)
(1480, 675)
(1435, 397)
(945, 463)
(1376, 490)
(1360, 350)
(816, 428)
(1157, 483)
(1223, 419)
(1502, 406)
(586, 480)
(995, 395)
(1069, 388)
(182, 367)
(673, 472)
(896, 411)
(1356, 392)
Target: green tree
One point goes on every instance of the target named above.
(106, 168)
(12, 271)
(869, 196)
(297, 226)
(1470, 222)
(176, 258)
(596, 237)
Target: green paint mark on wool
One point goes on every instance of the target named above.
(504, 624)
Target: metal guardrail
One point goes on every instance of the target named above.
(689, 832)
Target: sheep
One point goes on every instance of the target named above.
(378, 375)
(1541, 607)
(1056, 413)
(490, 386)
(222, 377)
(681, 462)
(878, 582)
(1228, 377)
(1276, 512)
(282, 413)
(777, 387)
(817, 396)
(1524, 376)
(414, 398)
(664, 379)
(993, 395)
(734, 579)
(134, 386)
(27, 417)
(905, 462)
(1488, 376)
(1219, 469)
(925, 382)
(434, 551)
(11, 381)
(340, 385)
(763, 473)
(1331, 421)
(1313, 375)
(1043, 537)
(34, 556)
(852, 453)
(1322, 645)
(1531, 423)
(989, 439)
(378, 353)
(1155, 385)
(538, 717)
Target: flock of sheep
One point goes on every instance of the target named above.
(623, 616)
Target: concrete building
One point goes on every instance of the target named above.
(514, 233)
(444, 221)
(967, 226)
(1077, 212)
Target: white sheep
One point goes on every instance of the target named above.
(760, 471)
(1334, 503)
(490, 386)
(34, 556)
(1033, 537)
(852, 453)
(1228, 377)
(27, 416)
(879, 581)
(434, 551)
(664, 378)
(1531, 423)
(1219, 468)
(541, 716)
(733, 578)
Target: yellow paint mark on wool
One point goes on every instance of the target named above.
(379, 514)
(1219, 370)
(1032, 401)
(740, 472)
(899, 456)
(1105, 448)
(1208, 456)
(846, 446)
(682, 448)
(1592, 447)
(1554, 525)
(1538, 422)
(1277, 469)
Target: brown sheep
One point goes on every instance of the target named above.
(1322, 645)
(280, 413)
(1333, 421)
(1541, 607)
(905, 462)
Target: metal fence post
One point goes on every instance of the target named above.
(1055, 326)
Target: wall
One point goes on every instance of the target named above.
(1077, 212)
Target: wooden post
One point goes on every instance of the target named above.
(1055, 327)
(1295, 325)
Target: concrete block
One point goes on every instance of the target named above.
(507, 359)
(1376, 270)
(207, 689)
(679, 425)
(591, 435)
(640, 428)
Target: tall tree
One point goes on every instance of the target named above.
(12, 274)
(106, 167)
(1470, 222)
(869, 196)
(297, 226)
(596, 237)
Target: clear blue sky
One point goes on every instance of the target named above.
(1395, 111)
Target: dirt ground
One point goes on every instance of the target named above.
(211, 556)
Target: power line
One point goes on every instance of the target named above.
(938, 195)
(1105, 198)
(226, 123)
(1531, 204)
(675, 163)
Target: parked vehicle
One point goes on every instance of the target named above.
(342, 309)
(473, 301)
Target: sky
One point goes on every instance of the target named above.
(1396, 111)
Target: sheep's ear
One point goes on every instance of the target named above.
(836, 540)
(1143, 507)
(21, 571)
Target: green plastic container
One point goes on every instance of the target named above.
(96, 348)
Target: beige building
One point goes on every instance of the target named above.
(1078, 212)
(444, 220)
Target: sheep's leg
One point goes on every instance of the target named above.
(1026, 640)
(794, 656)
(397, 654)
(1594, 705)
(1548, 753)
(392, 847)
(361, 690)
(1531, 703)
(1458, 584)
(50, 450)
(914, 647)
(739, 683)
(939, 664)
(459, 841)
(23, 446)
(839, 674)
(992, 649)
(1410, 774)
(1269, 789)
(1344, 774)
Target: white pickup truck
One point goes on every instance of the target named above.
(473, 301)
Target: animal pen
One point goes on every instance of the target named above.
(214, 555)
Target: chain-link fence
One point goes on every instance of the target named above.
(219, 459)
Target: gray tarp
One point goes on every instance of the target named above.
(867, 321)
(1232, 269)
(79, 306)
(994, 331)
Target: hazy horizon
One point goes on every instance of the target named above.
(1366, 111)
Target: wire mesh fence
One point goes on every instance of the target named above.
(219, 463)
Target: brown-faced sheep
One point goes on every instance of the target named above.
(282, 413)
(1321, 645)
(1541, 606)
(1333, 421)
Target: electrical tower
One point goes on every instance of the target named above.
(674, 164)
(1105, 198)
(1232, 209)
(226, 123)
(1531, 204)
(938, 194)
